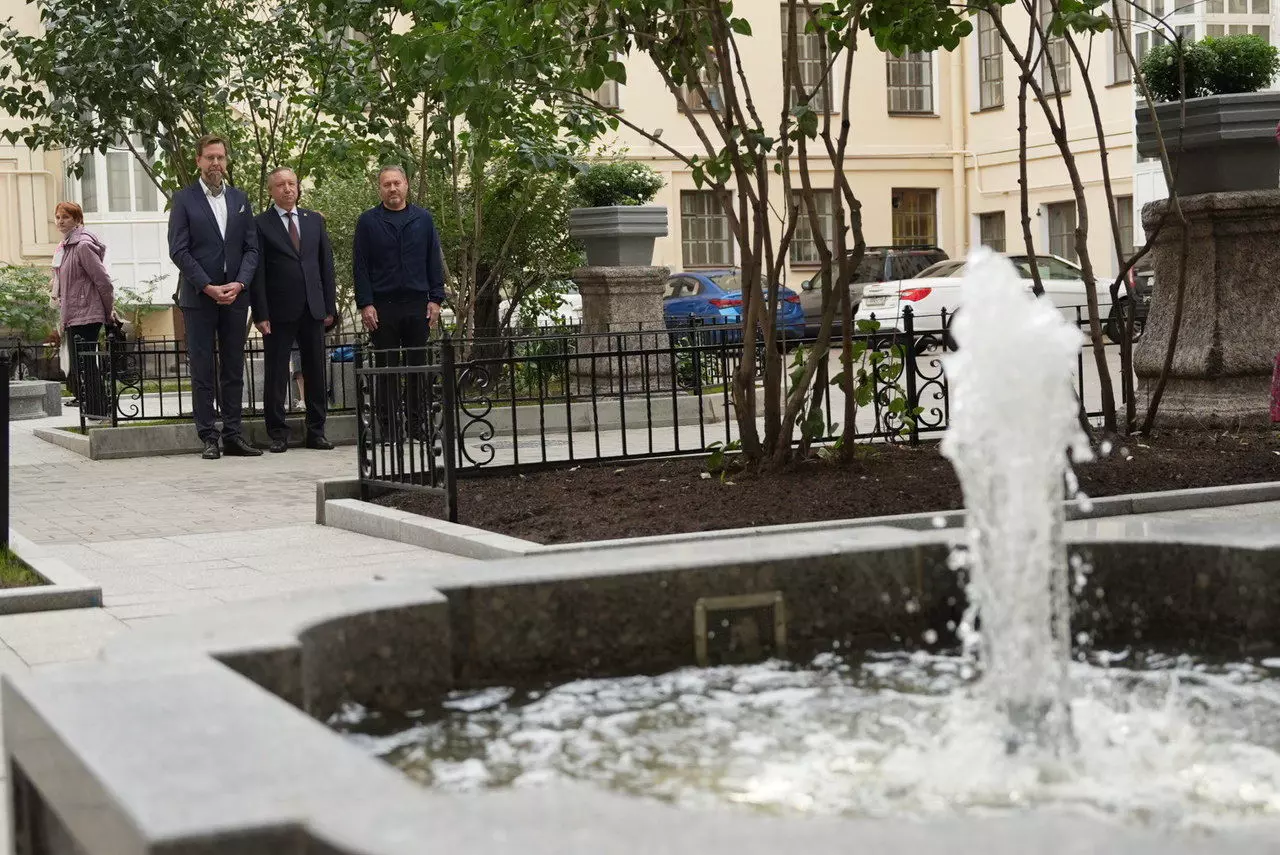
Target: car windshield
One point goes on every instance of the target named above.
(727, 281)
(1050, 268)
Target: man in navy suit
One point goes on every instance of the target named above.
(214, 243)
(294, 299)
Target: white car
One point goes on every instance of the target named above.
(938, 287)
(569, 311)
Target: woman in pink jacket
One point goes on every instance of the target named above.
(82, 288)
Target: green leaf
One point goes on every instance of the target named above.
(741, 26)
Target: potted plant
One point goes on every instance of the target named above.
(618, 228)
(1228, 139)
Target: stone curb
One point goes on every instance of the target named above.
(471, 542)
(126, 441)
(67, 589)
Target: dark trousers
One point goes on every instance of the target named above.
(400, 325)
(309, 334)
(81, 339)
(220, 329)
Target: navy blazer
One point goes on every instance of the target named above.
(198, 249)
(289, 283)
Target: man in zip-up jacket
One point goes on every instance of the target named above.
(399, 283)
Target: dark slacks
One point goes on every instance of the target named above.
(80, 339)
(400, 325)
(309, 334)
(221, 330)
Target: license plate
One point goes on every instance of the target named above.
(875, 302)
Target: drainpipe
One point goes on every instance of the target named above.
(959, 145)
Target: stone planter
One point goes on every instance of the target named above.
(619, 235)
(1226, 144)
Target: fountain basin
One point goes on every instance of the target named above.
(203, 735)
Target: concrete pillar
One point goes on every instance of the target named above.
(622, 309)
(1230, 331)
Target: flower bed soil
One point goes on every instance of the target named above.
(603, 502)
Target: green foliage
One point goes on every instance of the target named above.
(133, 304)
(724, 458)
(1212, 66)
(626, 182)
(340, 198)
(105, 71)
(26, 305)
(1246, 63)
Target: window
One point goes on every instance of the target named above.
(1215, 31)
(1186, 32)
(1238, 30)
(910, 82)
(89, 185)
(1062, 229)
(119, 188)
(1121, 71)
(990, 63)
(144, 190)
(1141, 44)
(681, 286)
(1124, 219)
(1263, 32)
(1262, 7)
(803, 248)
(991, 231)
(1057, 57)
(704, 230)
(810, 58)
(915, 217)
(607, 94)
(1238, 7)
(709, 77)
(1213, 7)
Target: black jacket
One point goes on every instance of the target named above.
(201, 254)
(397, 258)
(288, 283)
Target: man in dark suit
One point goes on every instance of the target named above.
(214, 243)
(294, 299)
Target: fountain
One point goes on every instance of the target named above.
(1004, 722)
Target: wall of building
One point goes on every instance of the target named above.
(966, 155)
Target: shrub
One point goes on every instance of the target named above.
(26, 304)
(1245, 64)
(1212, 66)
(624, 182)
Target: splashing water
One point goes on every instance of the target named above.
(1013, 419)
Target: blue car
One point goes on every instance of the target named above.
(715, 297)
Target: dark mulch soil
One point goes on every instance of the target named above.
(602, 502)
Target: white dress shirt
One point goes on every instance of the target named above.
(219, 205)
(284, 219)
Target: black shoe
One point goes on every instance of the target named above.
(211, 450)
(237, 447)
(319, 443)
(278, 446)
(74, 402)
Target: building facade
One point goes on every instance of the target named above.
(121, 205)
(933, 154)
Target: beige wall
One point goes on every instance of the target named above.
(969, 157)
(30, 181)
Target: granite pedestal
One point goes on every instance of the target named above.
(1230, 329)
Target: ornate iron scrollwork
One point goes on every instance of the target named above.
(475, 404)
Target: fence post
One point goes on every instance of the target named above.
(909, 369)
(4, 452)
(111, 381)
(448, 423)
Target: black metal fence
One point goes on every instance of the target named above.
(149, 379)
(405, 422)
(557, 400)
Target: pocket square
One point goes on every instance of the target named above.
(241, 211)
